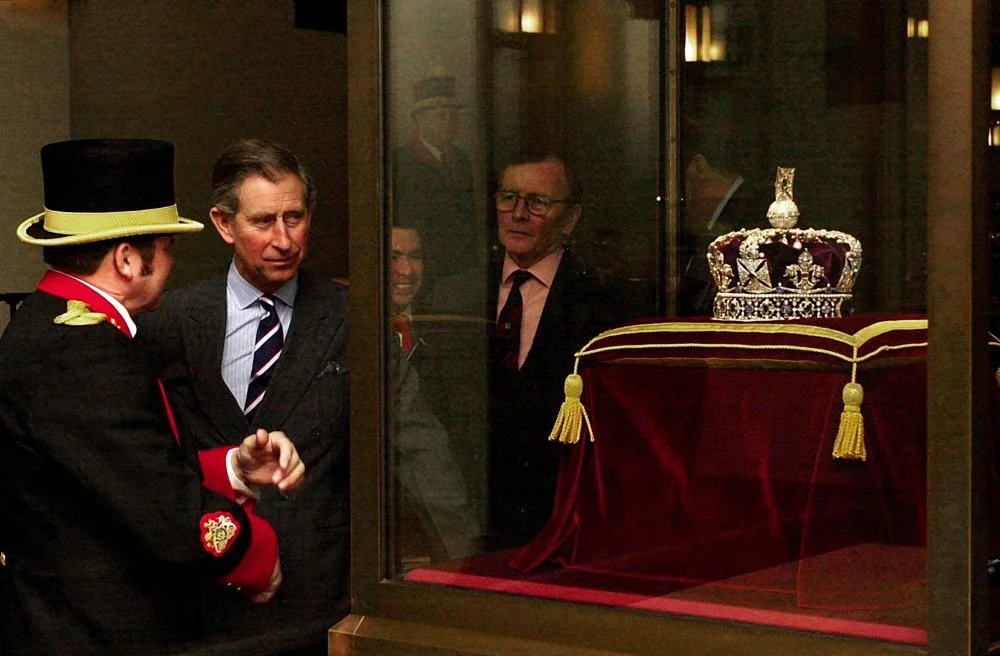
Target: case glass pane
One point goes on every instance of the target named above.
(709, 403)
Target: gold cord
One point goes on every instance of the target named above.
(78, 314)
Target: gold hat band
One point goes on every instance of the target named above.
(77, 223)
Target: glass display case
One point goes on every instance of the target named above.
(668, 335)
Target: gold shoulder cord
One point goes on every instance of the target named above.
(850, 442)
(78, 314)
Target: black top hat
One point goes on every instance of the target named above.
(434, 91)
(98, 189)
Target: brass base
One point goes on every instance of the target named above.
(358, 635)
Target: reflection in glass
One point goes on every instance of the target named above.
(695, 458)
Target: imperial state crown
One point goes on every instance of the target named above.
(783, 272)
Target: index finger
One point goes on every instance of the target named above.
(285, 448)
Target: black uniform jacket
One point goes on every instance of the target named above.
(102, 515)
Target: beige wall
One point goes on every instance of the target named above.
(34, 110)
(199, 74)
(203, 74)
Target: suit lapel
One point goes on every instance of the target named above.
(204, 345)
(313, 327)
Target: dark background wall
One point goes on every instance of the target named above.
(204, 74)
(199, 74)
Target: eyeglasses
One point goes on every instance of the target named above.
(506, 201)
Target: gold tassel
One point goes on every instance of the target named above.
(572, 415)
(850, 442)
(78, 314)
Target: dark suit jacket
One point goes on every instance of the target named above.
(435, 516)
(522, 462)
(439, 199)
(746, 208)
(100, 510)
(307, 398)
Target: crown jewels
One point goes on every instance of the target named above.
(783, 272)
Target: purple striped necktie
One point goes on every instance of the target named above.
(266, 351)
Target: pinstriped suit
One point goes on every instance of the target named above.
(307, 399)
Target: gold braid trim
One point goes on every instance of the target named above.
(850, 441)
(857, 339)
(78, 314)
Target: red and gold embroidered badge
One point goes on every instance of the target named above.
(220, 531)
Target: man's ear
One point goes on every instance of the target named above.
(126, 260)
(572, 217)
(698, 167)
(223, 224)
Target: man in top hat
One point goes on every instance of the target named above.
(108, 527)
(432, 181)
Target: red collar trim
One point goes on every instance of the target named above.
(65, 286)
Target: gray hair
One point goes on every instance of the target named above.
(250, 157)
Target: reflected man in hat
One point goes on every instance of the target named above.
(108, 527)
(432, 182)
(264, 343)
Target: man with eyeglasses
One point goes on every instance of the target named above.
(547, 306)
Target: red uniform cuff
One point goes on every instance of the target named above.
(253, 572)
(214, 475)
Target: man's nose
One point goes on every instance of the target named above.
(520, 210)
(279, 235)
(402, 266)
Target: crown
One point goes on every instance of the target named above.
(783, 272)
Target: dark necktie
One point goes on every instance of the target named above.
(266, 351)
(506, 343)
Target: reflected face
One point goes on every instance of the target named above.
(704, 189)
(270, 232)
(148, 286)
(529, 237)
(438, 125)
(407, 267)
(697, 203)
